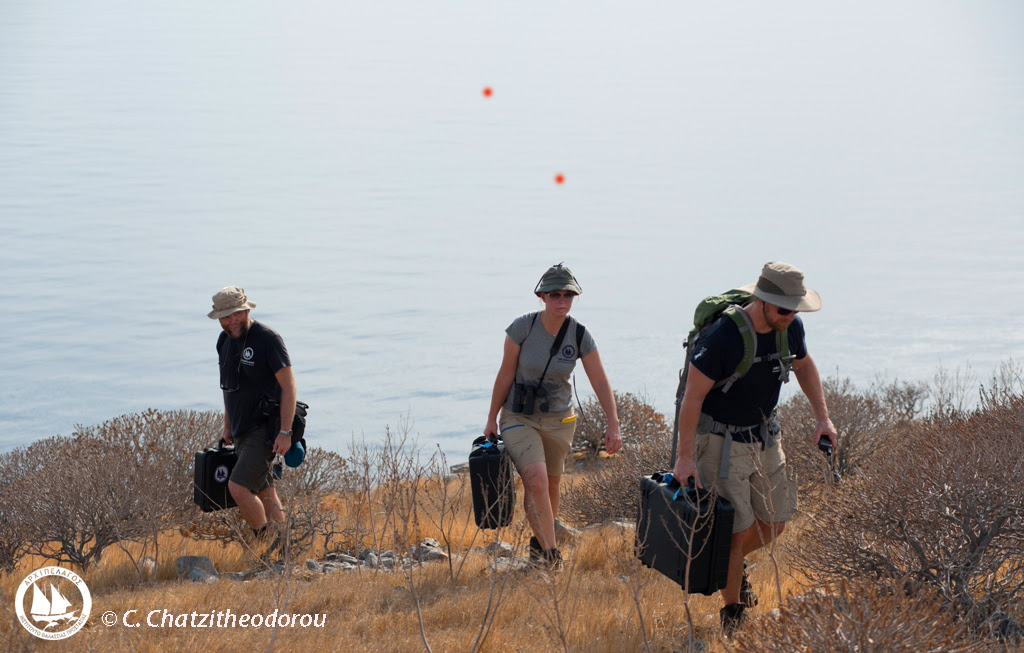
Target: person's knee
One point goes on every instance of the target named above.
(554, 482)
(535, 478)
(739, 537)
(239, 492)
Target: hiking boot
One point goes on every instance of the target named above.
(553, 559)
(732, 617)
(550, 559)
(747, 595)
(268, 538)
(536, 552)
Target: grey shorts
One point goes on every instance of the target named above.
(760, 485)
(254, 469)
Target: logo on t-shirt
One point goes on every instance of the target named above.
(703, 350)
(247, 356)
(568, 352)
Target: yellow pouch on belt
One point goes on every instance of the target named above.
(570, 418)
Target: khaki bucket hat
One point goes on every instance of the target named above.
(782, 284)
(229, 300)
(558, 277)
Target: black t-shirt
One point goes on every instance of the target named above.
(247, 368)
(752, 398)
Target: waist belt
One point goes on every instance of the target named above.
(749, 434)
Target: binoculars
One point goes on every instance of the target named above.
(525, 396)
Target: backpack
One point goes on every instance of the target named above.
(731, 303)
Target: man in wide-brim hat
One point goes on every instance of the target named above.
(255, 376)
(728, 434)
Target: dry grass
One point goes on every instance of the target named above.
(594, 604)
(604, 599)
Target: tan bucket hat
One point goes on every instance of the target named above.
(229, 300)
(557, 277)
(782, 284)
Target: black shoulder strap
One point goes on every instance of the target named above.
(557, 344)
(554, 349)
(580, 330)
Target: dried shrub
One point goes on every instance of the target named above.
(14, 534)
(123, 480)
(941, 511)
(859, 618)
(79, 501)
(638, 422)
(903, 400)
(303, 491)
(157, 449)
(610, 490)
(863, 420)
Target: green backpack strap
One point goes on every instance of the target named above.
(782, 347)
(746, 328)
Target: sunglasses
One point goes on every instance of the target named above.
(784, 311)
(559, 295)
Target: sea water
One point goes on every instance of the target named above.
(341, 162)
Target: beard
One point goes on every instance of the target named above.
(239, 331)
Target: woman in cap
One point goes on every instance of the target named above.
(533, 392)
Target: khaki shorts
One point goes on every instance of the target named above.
(541, 437)
(760, 485)
(254, 469)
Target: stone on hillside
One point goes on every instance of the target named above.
(148, 567)
(427, 550)
(511, 564)
(200, 575)
(500, 549)
(565, 534)
(341, 557)
(312, 565)
(185, 563)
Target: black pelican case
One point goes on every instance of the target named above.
(494, 490)
(213, 467)
(679, 525)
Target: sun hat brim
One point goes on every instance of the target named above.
(552, 286)
(809, 302)
(216, 315)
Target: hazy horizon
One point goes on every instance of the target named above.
(341, 163)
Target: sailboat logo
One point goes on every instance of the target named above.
(51, 615)
(50, 611)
